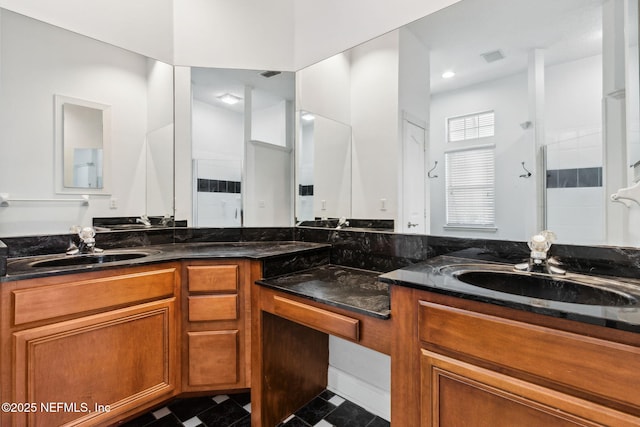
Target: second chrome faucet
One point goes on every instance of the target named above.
(539, 259)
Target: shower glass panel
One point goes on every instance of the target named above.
(575, 197)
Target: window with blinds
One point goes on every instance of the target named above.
(470, 182)
(471, 126)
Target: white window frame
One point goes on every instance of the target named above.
(471, 126)
(470, 200)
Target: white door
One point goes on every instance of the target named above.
(414, 179)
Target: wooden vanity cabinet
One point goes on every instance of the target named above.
(89, 349)
(216, 318)
(459, 362)
(290, 353)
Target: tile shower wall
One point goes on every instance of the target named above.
(218, 199)
(575, 208)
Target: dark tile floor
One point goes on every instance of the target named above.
(330, 410)
(233, 410)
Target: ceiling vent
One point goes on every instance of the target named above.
(493, 56)
(268, 74)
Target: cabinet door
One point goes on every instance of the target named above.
(92, 369)
(455, 393)
(213, 358)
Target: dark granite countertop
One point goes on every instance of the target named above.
(283, 253)
(437, 275)
(343, 287)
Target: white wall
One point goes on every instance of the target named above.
(268, 186)
(159, 164)
(142, 26)
(374, 122)
(234, 34)
(414, 73)
(332, 181)
(324, 88)
(269, 124)
(37, 62)
(183, 158)
(324, 28)
(361, 89)
(217, 133)
(508, 97)
(283, 35)
(361, 375)
(413, 100)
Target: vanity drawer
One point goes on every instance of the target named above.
(213, 278)
(71, 298)
(213, 307)
(588, 365)
(317, 318)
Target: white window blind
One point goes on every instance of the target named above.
(471, 126)
(470, 182)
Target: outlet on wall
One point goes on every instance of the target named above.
(383, 204)
(113, 203)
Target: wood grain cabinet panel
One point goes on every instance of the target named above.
(216, 313)
(213, 278)
(567, 359)
(213, 307)
(317, 318)
(457, 362)
(213, 358)
(455, 393)
(79, 296)
(121, 359)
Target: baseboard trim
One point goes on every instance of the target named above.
(373, 399)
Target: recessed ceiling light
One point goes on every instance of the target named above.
(227, 98)
(307, 116)
(448, 74)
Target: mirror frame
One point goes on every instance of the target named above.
(58, 167)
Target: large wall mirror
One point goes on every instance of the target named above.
(323, 168)
(79, 117)
(492, 119)
(242, 132)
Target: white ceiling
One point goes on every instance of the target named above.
(208, 83)
(457, 35)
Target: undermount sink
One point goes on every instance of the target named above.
(573, 288)
(86, 259)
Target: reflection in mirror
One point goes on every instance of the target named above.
(324, 168)
(87, 168)
(241, 139)
(552, 89)
(82, 140)
(38, 61)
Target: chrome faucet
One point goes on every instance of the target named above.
(539, 260)
(342, 222)
(144, 220)
(166, 221)
(85, 241)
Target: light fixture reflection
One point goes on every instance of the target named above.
(448, 74)
(227, 98)
(307, 116)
